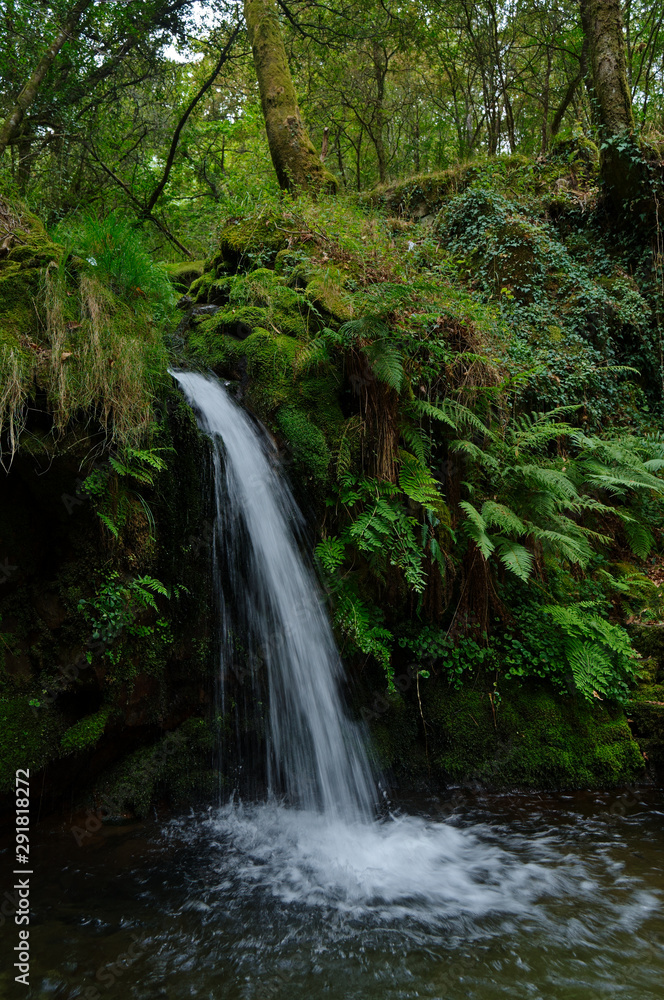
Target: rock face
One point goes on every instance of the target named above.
(106, 665)
(104, 537)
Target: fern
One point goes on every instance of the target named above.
(386, 363)
(423, 408)
(640, 538)
(106, 521)
(497, 515)
(331, 552)
(417, 482)
(418, 442)
(515, 558)
(362, 624)
(599, 654)
(475, 527)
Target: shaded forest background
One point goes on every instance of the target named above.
(385, 91)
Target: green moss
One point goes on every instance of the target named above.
(270, 367)
(208, 289)
(237, 321)
(648, 640)
(395, 739)
(29, 738)
(21, 270)
(247, 242)
(424, 194)
(530, 738)
(311, 456)
(178, 768)
(87, 732)
(325, 289)
(183, 273)
(573, 147)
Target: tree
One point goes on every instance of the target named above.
(621, 166)
(295, 159)
(29, 92)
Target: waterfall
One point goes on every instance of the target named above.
(315, 754)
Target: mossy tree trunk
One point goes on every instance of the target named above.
(297, 164)
(603, 27)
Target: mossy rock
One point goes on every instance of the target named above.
(646, 713)
(291, 258)
(572, 146)
(517, 265)
(648, 640)
(532, 738)
(270, 367)
(424, 195)
(234, 322)
(29, 738)
(27, 249)
(182, 274)
(395, 739)
(325, 289)
(288, 311)
(311, 455)
(178, 769)
(86, 733)
(250, 242)
(208, 290)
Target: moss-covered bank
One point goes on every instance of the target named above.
(529, 738)
(104, 535)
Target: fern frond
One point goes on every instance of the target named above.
(641, 540)
(517, 559)
(418, 442)
(331, 552)
(497, 515)
(106, 521)
(417, 482)
(386, 363)
(423, 408)
(475, 527)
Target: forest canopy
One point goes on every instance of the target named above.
(156, 107)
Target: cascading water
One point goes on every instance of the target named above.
(290, 879)
(315, 754)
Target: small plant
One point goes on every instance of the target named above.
(113, 251)
(113, 497)
(117, 610)
(599, 654)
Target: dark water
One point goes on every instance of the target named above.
(473, 897)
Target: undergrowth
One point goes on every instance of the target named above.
(93, 344)
(488, 389)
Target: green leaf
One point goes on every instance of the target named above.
(475, 528)
(515, 558)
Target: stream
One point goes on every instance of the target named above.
(474, 896)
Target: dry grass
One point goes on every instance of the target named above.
(100, 365)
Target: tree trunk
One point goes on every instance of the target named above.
(29, 92)
(620, 164)
(295, 159)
